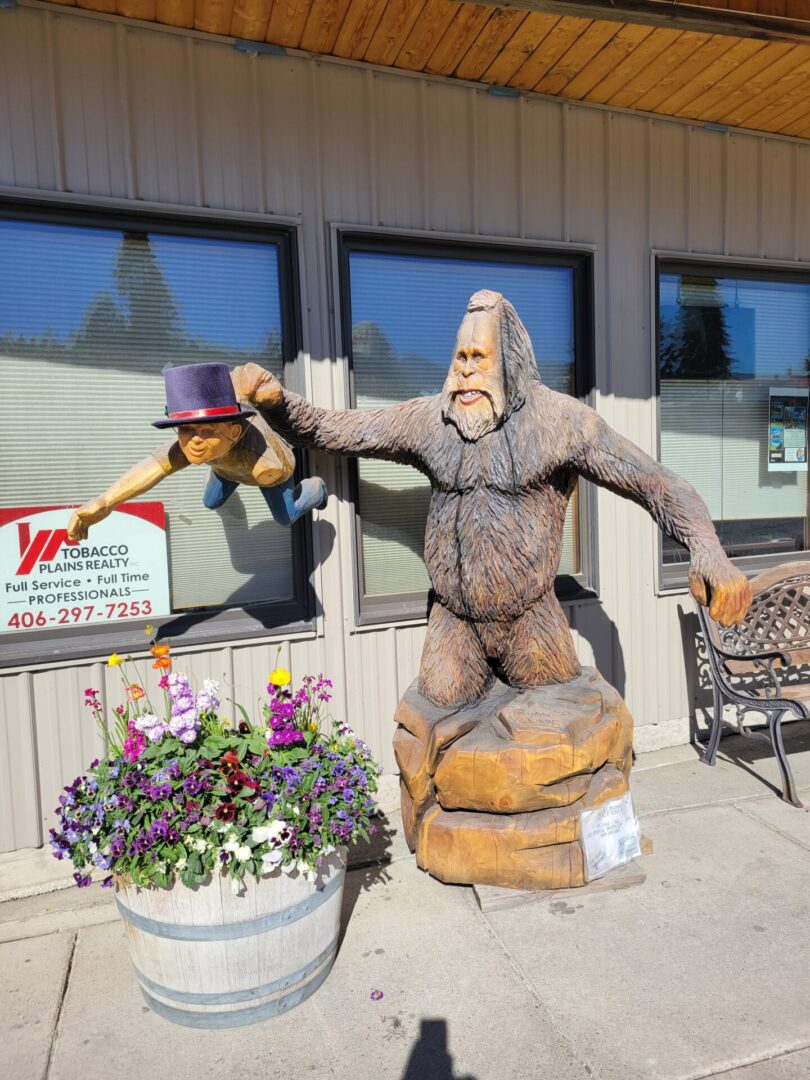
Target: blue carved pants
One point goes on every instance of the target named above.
(287, 502)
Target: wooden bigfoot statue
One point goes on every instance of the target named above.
(503, 453)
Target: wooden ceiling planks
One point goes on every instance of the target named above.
(510, 59)
(210, 16)
(696, 74)
(421, 41)
(500, 28)
(584, 49)
(175, 12)
(250, 18)
(554, 45)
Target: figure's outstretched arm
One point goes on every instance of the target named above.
(394, 433)
(613, 462)
(140, 478)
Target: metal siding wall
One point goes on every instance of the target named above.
(109, 109)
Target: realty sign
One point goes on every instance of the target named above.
(49, 580)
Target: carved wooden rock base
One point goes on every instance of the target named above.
(492, 792)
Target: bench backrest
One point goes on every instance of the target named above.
(779, 618)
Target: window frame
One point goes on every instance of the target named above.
(206, 626)
(672, 578)
(399, 608)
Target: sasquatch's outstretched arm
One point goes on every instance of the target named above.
(608, 459)
(396, 433)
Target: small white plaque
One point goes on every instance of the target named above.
(609, 836)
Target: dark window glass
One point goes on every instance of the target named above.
(733, 356)
(89, 317)
(404, 311)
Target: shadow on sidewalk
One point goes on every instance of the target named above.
(430, 1059)
(367, 867)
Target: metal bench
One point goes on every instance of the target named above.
(776, 628)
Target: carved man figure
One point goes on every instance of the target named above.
(502, 453)
(212, 429)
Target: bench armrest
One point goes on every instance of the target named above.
(782, 657)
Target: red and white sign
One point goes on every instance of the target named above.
(48, 580)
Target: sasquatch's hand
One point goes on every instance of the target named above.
(84, 517)
(254, 385)
(725, 591)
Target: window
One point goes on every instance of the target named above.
(91, 311)
(733, 362)
(402, 305)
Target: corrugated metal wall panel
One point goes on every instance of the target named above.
(226, 125)
(497, 150)
(19, 776)
(66, 735)
(109, 109)
(90, 105)
(450, 162)
(30, 149)
(542, 169)
(778, 202)
(707, 190)
(399, 158)
(160, 98)
(743, 207)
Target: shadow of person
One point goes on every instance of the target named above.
(253, 550)
(429, 1058)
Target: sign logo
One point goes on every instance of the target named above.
(44, 547)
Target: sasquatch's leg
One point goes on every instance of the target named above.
(539, 648)
(454, 669)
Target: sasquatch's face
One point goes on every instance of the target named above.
(202, 443)
(474, 384)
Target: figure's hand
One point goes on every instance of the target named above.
(84, 517)
(255, 386)
(725, 592)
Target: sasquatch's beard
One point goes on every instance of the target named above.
(472, 421)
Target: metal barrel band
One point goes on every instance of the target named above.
(229, 931)
(236, 996)
(236, 1017)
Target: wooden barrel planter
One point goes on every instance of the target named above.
(208, 958)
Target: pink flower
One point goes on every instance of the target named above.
(135, 745)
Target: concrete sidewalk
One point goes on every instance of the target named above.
(704, 970)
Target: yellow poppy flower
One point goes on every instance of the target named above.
(280, 677)
(114, 660)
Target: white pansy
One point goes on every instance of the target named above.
(270, 833)
(271, 860)
(180, 864)
(200, 845)
(243, 853)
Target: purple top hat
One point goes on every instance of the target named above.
(200, 393)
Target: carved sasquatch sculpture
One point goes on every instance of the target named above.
(503, 452)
